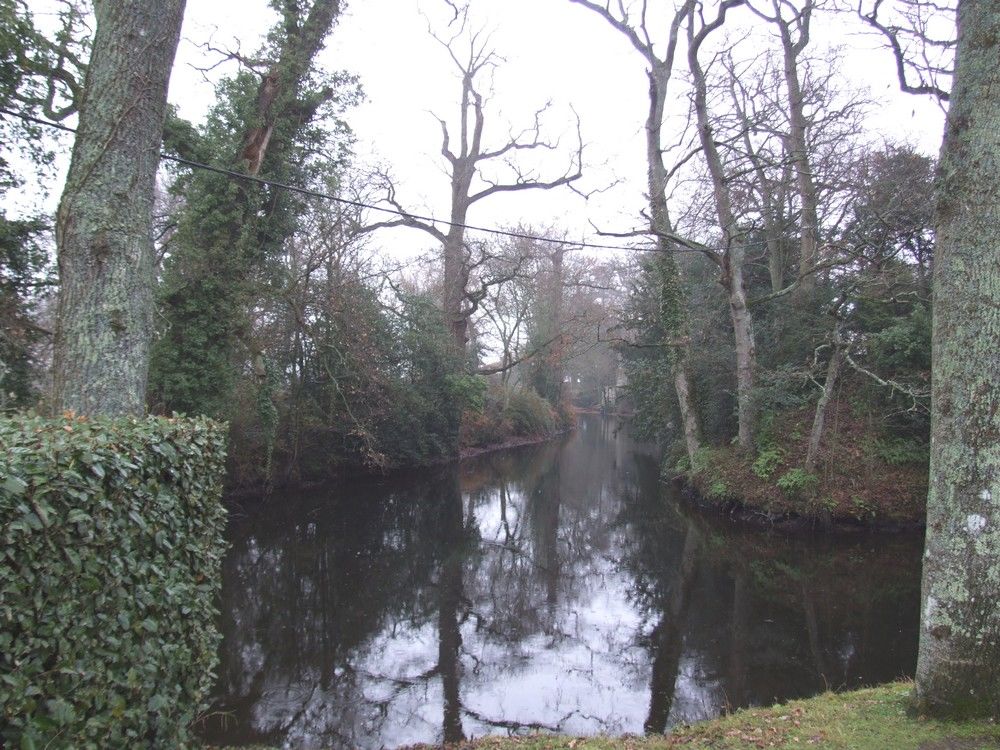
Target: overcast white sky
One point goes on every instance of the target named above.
(554, 50)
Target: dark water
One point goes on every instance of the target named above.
(556, 588)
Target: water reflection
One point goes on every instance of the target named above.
(553, 588)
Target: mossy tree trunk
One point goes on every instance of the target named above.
(958, 668)
(104, 222)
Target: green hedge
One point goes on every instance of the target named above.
(110, 550)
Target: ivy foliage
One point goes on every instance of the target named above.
(110, 551)
(225, 256)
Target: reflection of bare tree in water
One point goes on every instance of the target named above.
(449, 599)
(543, 512)
(309, 582)
(532, 591)
(668, 636)
(812, 627)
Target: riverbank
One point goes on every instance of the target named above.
(247, 492)
(502, 421)
(861, 478)
(870, 719)
(514, 442)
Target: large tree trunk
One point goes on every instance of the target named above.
(104, 222)
(958, 668)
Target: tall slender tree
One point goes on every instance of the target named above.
(732, 255)
(660, 70)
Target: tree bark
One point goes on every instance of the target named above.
(104, 221)
(958, 667)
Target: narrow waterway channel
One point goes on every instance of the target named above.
(557, 587)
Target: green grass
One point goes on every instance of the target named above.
(871, 719)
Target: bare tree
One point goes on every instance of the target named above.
(793, 25)
(469, 157)
(506, 307)
(919, 33)
(730, 257)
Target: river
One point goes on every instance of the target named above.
(557, 587)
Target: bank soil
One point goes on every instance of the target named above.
(861, 479)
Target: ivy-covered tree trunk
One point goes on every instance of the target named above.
(672, 311)
(228, 232)
(958, 668)
(104, 222)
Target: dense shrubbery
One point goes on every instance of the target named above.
(511, 413)
(110, 547)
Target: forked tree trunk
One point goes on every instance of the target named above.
(104, 222)
(829, 386)
(733, 250)
(958, 667)
(797, 132)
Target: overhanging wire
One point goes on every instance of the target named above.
(337, 199)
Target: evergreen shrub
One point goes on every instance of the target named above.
(111, 540)
(530, 414)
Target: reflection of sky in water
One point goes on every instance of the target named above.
(585, 601)
(568, 678)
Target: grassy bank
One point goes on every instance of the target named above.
(872, 719)
(861, 475)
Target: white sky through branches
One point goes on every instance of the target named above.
(553, 51)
